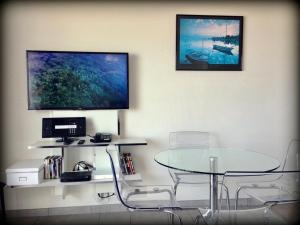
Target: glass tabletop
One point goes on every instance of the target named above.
(227, 159)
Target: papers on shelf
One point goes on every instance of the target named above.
(102, 174)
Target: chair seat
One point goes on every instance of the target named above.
(283, 189)
(285, 184)
(191, 178)
(250, 180)
(273, 195)
(152, 204)
(149, 196)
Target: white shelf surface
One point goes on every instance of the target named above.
(57, 183)
(51, 143)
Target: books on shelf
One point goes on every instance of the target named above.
(126, 164)
(53, 167)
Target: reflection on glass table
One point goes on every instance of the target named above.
(214, 162)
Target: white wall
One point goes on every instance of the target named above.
(254, 108)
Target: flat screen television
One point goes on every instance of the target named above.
(77, 80)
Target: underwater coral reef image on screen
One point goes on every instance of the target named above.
(77, 80)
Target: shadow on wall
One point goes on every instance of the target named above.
(2, 173)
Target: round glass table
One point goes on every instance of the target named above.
(214, 162)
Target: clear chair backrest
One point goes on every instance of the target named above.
(118, 177)
(291, 160)
(189, 139)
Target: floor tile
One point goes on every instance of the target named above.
(21, 221)
(145, 218)
(119, 218)
(90, 219)
(252, 216)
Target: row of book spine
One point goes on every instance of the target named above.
(126, 164)
(53, 167)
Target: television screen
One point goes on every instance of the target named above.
(77, 80)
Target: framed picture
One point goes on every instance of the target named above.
(209, 42)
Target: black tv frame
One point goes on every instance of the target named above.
(77, 108)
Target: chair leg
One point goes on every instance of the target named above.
(197, 220)
(172, 214)
(237, 197)
(228, 199)
(227, 196)
(267, 212)
(175, 187)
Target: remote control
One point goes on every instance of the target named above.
(80, 142)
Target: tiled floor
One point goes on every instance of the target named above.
(140, 218)
(116, 218)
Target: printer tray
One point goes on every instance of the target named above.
(76, 176)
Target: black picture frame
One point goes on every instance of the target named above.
(209, 42)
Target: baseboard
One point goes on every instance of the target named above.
(106, 208)
(65, 210)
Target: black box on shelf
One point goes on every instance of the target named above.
(76, 176)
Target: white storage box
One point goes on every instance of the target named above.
(25, 172)
(102, 175)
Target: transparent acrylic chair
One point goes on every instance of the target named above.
(142, 197)
(187, 139)
(289, 162)
(284, 190)
(190, 139)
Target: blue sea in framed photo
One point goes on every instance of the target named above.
(208, 43)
